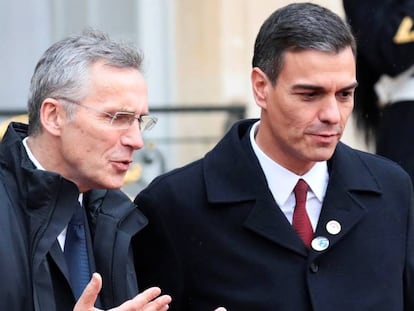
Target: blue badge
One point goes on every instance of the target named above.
(320, 243)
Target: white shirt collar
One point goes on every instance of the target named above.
(282, 181)
(31, 155)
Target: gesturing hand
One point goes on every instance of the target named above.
(148, 300)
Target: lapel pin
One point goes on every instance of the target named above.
(320, 243)
(333, 227)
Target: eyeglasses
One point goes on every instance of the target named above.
(122, 119)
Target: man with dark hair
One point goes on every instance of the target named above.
(62, 215)
(281, 215)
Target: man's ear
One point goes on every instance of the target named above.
(52, 116)
(261, 86)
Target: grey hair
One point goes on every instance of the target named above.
(297, 27)
(63, 69)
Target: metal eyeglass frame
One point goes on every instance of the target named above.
(145, 122)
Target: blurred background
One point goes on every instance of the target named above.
(197, 61)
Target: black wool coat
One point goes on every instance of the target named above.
(35, 207)
(222, 240)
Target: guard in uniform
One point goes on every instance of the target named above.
(384, 100)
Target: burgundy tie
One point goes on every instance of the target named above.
(301, 222)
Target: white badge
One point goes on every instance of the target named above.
(333, 227)
(320, 243)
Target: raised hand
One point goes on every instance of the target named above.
(148, 300)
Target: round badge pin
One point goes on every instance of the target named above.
(333, 227)
(320, 243)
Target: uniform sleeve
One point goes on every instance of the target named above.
(384, 32)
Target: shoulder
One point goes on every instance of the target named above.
(363, 166)
(221, 159)
(188, 174)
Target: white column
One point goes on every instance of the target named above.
(25, 34)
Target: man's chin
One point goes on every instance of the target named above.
(323, 155)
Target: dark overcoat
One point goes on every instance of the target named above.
(216, 237)
(35, 206)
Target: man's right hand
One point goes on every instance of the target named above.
(148, 300)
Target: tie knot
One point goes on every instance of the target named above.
(301, 190)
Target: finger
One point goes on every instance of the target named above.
(87, 299)
(146, 301)
(220, 309)
(146, 296)
(159, 304)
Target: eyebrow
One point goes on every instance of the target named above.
(126, 110)
(312, 87)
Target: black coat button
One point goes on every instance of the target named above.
(314, 267)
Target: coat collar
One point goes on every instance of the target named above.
(45, 197)
(232, 171)
(233, 175)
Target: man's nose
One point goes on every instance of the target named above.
(133, 137)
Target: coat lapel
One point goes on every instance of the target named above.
(231, 178)
(49, 215)
(267, 220)
(49, 212)
(57, 256)
(340, 209)
(343, 205)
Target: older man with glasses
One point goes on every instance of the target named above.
(62, 215)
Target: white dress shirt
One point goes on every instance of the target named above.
(282, 181)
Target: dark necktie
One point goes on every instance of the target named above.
(301, 222)
(76, 253)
